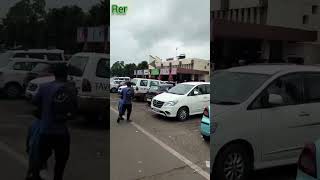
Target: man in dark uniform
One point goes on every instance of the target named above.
(126, 102)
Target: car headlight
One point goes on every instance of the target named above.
(170, 103)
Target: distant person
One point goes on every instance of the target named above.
(125, 103)
(58, 102)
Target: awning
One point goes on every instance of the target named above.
(226, 29)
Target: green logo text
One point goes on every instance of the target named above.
(119, 10)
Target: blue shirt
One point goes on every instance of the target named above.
(44, 98)
(127, 95)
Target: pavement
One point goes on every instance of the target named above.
(89, 145)
(153, 147)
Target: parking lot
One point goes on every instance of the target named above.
(89, 145)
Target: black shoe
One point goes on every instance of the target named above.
(118, 120)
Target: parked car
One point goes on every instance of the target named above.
(40, 70)
(263, 116)
(156, 90)
(43, 54)
(124, 79)
(90, 73)
(309, 162)
(182, 100)
(141, 86)
(205, 124)
(12, 76)
(114, 85)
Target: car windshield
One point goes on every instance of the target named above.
(134, 82)
(77, 65)
(181, 89)
(5, 58)
(41, 67)
(232, 88)
(154, 88)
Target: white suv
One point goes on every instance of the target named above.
(262, 115)
(184, 99)
(90, 72)
(141, 86)
(12, 75)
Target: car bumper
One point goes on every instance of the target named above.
(205, 126)
(165, 111)
(303, 176)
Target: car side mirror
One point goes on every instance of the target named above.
(275, 99)
(195, 93)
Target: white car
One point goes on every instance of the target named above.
(182, 100)
(12, 76)
(141, 86)
(44, 54)
(90, 73)
(121, 78)
(262, 115)
(114, 85)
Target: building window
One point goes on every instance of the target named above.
(231, 15)
(237, 14)
(248, 15)
(305, 19)
(315, 9)
(255, 14)
(242, 15)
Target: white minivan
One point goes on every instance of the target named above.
(262, 115)
(90, 72)
(182, 100)
(141, 86)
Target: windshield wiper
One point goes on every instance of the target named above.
(225, 102)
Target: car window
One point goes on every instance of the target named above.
(134, 82)
(286, 90)
(204, 89)
(24, 66)
(42, 67)
(20, 55)
(181, 89)
(54, 57)
(144, 83)
(198, 89)
(36, 55)
(312, 87)
(102, 70)
(77, 65)
(154, 83)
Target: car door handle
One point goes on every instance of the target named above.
(304, 114)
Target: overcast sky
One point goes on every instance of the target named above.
(84, 4)
(158, 27)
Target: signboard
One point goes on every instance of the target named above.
(81, 34)
(139, 72)
(173, 71)
(146, 72)
(165, 71)
(155, 72)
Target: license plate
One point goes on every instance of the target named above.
(148, 99)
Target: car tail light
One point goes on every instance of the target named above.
(206, 112)
(307, 160)
(86, 85)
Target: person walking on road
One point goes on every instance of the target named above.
(57, 101)
(125, 103)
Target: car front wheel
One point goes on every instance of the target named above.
(233, 163)
(183, 114)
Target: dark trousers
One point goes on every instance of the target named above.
(128, 108)
(60, 145)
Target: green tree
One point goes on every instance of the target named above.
(143, 65)
(117, 69)
(129, 69)
(99, 14)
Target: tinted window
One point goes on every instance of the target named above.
(102, 68)
(154, 83)
(24, 66)
(20, 55)
(36, 55)
(235, 87)
(54, 57)
(41, 67)
(312, 87)
(181, 89)
(144, 83)
(134, 81)
(77, 65)
(286, 90)
(204, 89)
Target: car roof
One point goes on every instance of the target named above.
(195, 83)
(271, 69)
(92, 54)
(38, 51)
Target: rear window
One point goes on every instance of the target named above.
(54, 57)
(103, 68)
(77, 65)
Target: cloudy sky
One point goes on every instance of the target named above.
(84, 4)
(158, 27)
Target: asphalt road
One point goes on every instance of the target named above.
(89, 145)
(153, 147)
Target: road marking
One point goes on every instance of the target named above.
(195, 167)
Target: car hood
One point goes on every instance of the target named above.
(42, 80)
(166, 97)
